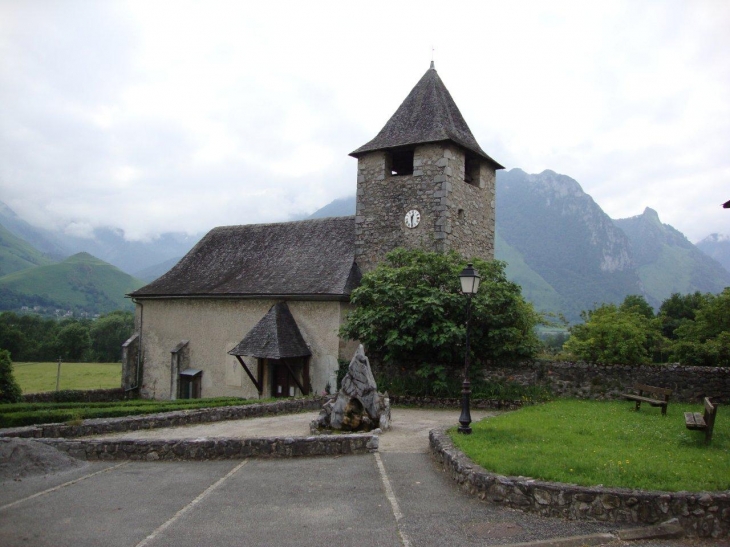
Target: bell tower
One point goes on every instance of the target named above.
(424, 182)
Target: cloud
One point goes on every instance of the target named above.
(154, 117)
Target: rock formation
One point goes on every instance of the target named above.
(358, 405)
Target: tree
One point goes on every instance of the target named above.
(677, 310)
(614, 335)
(637, 304)
(108, 333)
(73, 340)
(706, 340)
(9, 389)
(410, 311)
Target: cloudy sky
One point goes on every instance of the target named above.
(160, 116)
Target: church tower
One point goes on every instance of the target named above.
(424, 182)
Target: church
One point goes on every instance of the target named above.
(254, 310)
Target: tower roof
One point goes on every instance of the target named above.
(428, 114)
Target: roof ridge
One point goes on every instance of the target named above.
(286, 222)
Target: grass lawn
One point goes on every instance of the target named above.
(607, 443)
(37, 377)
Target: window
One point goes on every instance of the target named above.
(401, 163)
(471, 170)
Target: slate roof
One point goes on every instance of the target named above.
(428, 114)
(314, 258)
(276, 336)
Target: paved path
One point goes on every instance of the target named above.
(396, 497)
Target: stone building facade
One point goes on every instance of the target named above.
(422, 183)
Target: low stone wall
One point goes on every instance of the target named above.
(76, 396)
(453, 403)
(216, 448)
(103, 426)
(704, 514)
(596, 381)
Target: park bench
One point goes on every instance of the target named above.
(706, 422)
(644, 390)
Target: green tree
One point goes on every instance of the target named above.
(613, 335)
(706, 340)
(108, 333)
(9, 389)
(410, 311)
(73, 340)
(677, 310)
(637, 304)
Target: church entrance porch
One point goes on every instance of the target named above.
(288, 376)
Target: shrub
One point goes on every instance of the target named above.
(9, 389)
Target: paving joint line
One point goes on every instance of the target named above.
(390, 494)
(69, 483)
(181, 512)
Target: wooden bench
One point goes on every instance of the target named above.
(706, 422)
(653, 401)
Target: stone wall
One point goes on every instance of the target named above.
(217, 449)
(103, 426)
(453, 403)
(704, 514)
(595, 381)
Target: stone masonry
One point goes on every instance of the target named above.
(455, 214)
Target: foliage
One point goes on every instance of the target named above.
(42, 413)
(637, 304)
(614, 335)
(592, 442)
(410, 311)
(706, 340)
(41, 377)
(677, 310)
(33, 338)
(9, 388)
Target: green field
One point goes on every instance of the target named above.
(591, 443)
(37, 377)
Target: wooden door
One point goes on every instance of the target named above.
(281, 381)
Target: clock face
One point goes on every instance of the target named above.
(413, 217)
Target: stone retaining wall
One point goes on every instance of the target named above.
(216, 448)
(704, 514)
(454, 403)
(596, 381)
(103, 426)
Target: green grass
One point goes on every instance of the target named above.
(603, 443)
(22, 414)
(38, 377)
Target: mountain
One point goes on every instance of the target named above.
(17, 254)
(667, 262)
(108, 244)
(566, 240)
(80, 283)
(43, 240)
(341, 207)
(157, 270)
(718, 247)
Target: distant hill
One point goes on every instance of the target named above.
(80, 283)
(667, 262)
(17, 254)
(341, 207)
(718, 247)
(106, 243)
(153, 272)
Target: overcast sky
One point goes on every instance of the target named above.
(175, 116)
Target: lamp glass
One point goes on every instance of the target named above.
(470, 279)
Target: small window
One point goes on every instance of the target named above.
(401, 163)
(471, 170)
(460, 214)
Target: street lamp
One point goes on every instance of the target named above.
(470, 279)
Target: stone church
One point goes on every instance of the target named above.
(254, 310)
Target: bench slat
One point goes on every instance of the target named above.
(694, 420)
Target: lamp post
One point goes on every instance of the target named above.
(470, 279)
